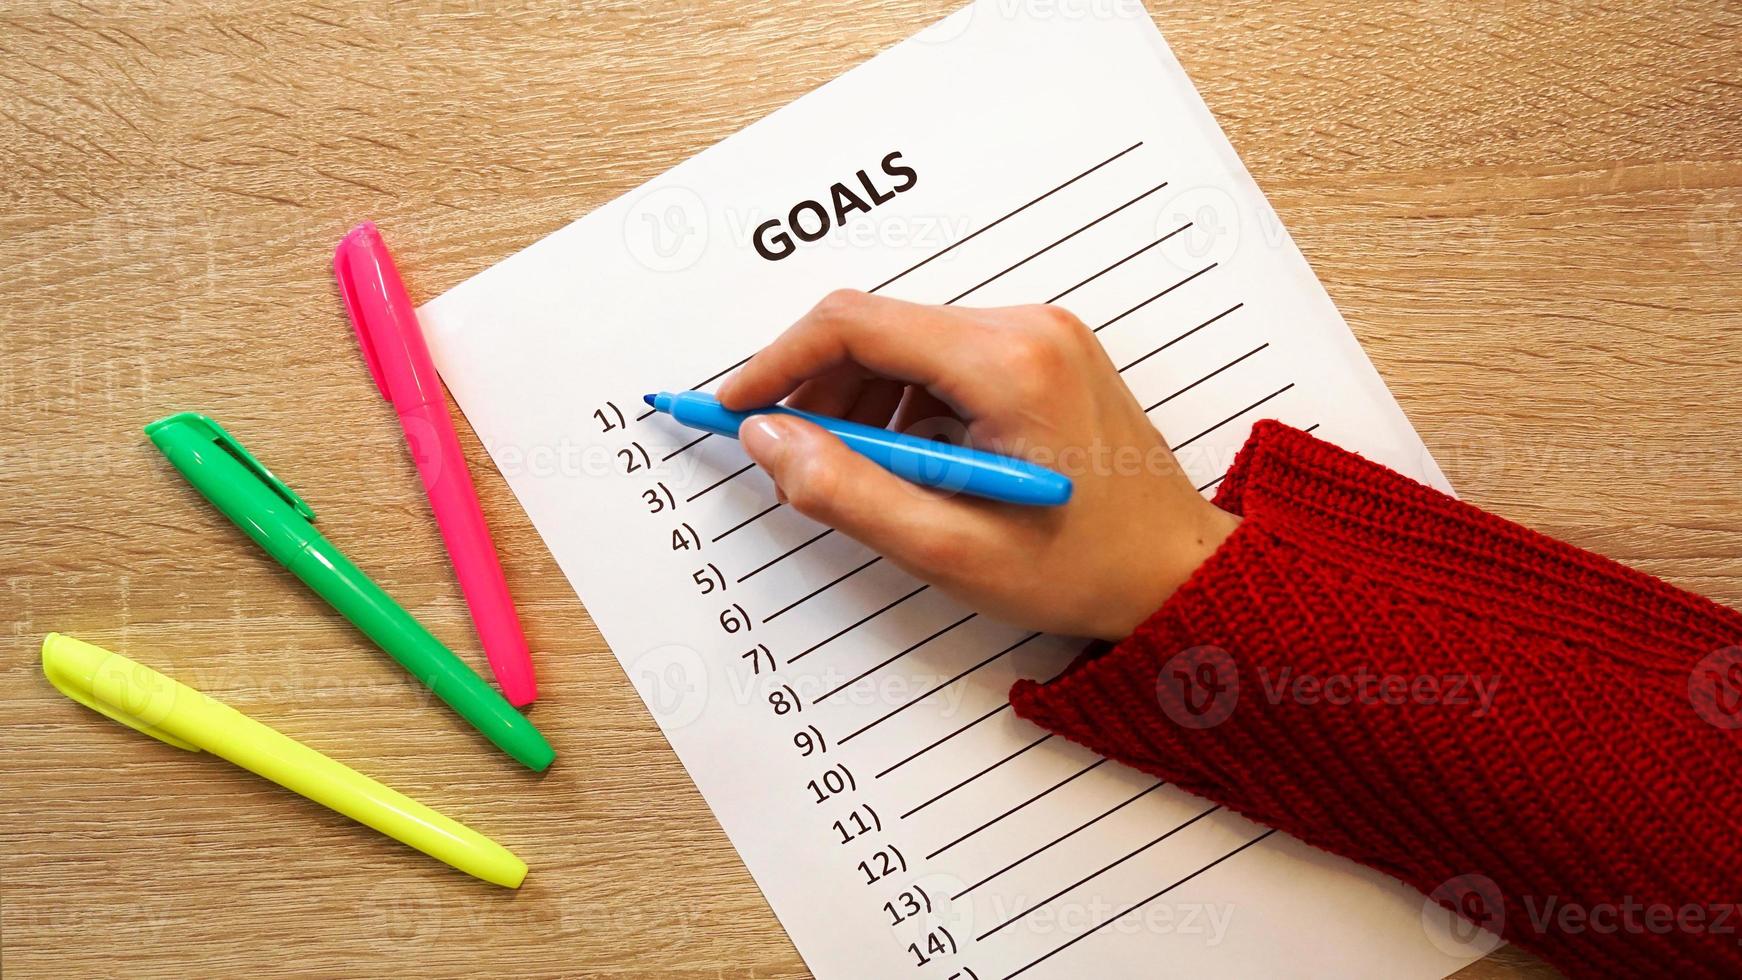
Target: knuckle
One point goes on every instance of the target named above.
(1032, 360)
(1060, 323)
(1044, 350)
(812, 486)
(839, 305)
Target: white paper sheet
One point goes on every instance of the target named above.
(849, 727)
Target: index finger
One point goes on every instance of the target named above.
(911, 342)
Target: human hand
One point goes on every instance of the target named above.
(1026, 381)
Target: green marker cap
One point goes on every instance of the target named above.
(252, 496)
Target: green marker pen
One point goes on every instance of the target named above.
(259, 503)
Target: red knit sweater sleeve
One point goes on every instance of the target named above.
(1541, 738)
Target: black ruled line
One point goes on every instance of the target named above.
(1207, 377)
(1091, 767)
(898, 710)
(1152, 299)
(770, 563)
(722, 481)
(1231, 418)
(843, 632)
(995, 765)
(717, 375)
(1058, 296)
(867, 672)
(945, 251)
(675, 453)
(1096, 874)
(1037, 254)
(1181, 337)
(746, 522)
(712, 377)
(808, 597)
(1067, 835)
(1001, 708)
(1212, 483)
(1077, 939)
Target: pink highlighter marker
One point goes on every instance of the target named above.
(394, 349)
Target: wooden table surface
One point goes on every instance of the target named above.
(1531, 213)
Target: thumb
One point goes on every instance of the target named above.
(919, 529)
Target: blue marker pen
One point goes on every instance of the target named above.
(922, 461)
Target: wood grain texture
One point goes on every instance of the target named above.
(1531, 213)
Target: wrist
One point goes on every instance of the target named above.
(1186, 538)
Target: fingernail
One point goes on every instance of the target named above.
(763, 440)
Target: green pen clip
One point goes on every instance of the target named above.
(234, 447)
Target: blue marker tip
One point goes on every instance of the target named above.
(651, 400)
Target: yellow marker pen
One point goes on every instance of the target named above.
(141, 698)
